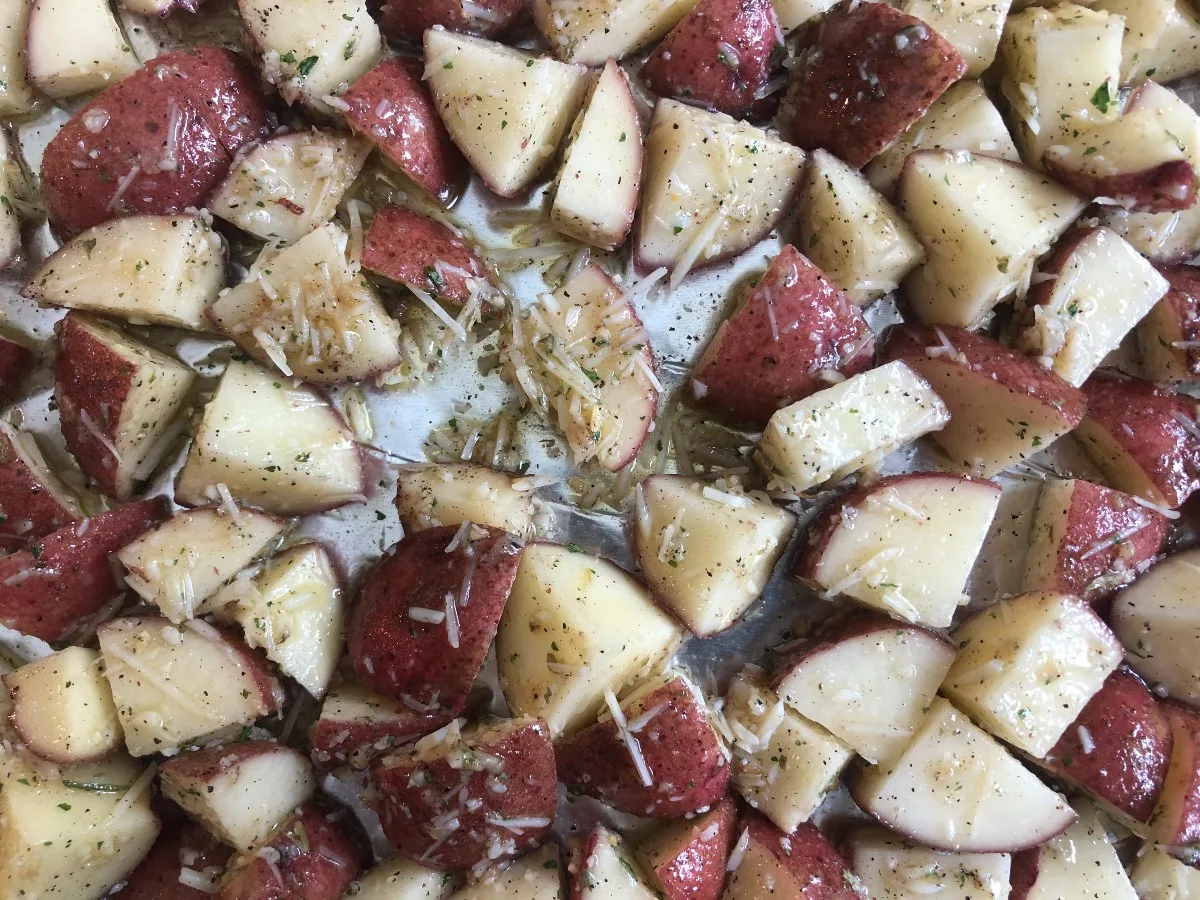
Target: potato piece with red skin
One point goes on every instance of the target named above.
(602, 865)
(434, 782)
(317, 861)
(182, 844)
(1166, 187)
(865, 74)
(687, 858)
(1170, 335)
(464, 574)
(355, 726)
(406, 20)
(391, 107)
(47, 589)
(1176, 818)
(720, 56)
(191, 109)
(33, 502)
(1089, 540)
(16, 361)
(416, 251)
(1143, 438)
(803, 865)
(1118, 748)
(794, 325)
(682, 753)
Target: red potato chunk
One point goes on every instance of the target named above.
(795, 329)
(16, 361)
(1170, 334)
(721, 56)
(309, 857)
(1176, 819)
(33, 502)
(687, 859)
(1166, 187)
(412, 250)
(462, 798)
(356, 725)
(1145, 439)
(661, 758)
(157, 142)
(406, 20)
(427, 613)
(184, 854)
(803, 865)
(864, 75)
(391, 107)
(1118, 748)
(47, 589)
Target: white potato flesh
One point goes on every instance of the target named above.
(245, 796)
(293, 611)
(174, 685)
(794, 13)
(308, 311)
(1027, 666)
(582, 359)
(535, 876)
(852, 233)
(984, 222)
(1162, 38)
(1060, 71)
(75, 46)
(505, 109)
(575, 626)
(403, 879)
(156, 270)
(839, 430)
(1104, 289)
(74, 834)
(955, 788)
(963, 118)
(144, 416)
(63, 707)
(597, 185)
(283, 448)
(908, 548)
(13, 183)
(453, 493)
(16, 93)
(973, 27)
(783, 764)
(589, 33)
(1157, 618)
(1081, 862)
(705, 553)
(180, 563)
(1159, 876)
(610, 870)
(870, 690)
(311, 49)
(713, 187)
(283, 188)
(890, 868)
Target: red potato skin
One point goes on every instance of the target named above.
(866, 72)
(392, 108)
(90, 379)
(220, 108)
(203, 765)
(16, 361)
(1143, 420)
(1023, 873)
(1096, 514)
(357, 742)
(406, 20)
(1128, 764)
(157, 876)
(28, 510)
(406, 247)
(818, 871)
(1183, 298)
(1166, 187)
(680, 748)
(1185, 730)
(747, 375)
(317, 861)
(399, 657)
(690, 64)
(407, 809)
(986, 358)
(697, 872)
(72, 578)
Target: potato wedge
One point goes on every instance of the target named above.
(685, 859)
(16, 92)
(403, 879)
(768, 862)
(1169, 337)
(1162, 39)
(535, 876)
(355, 726)
(75, 47)
(453, 493)
(973, 27)
(603, 864)
(888, 867)
(591, 33)
(33, 501)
